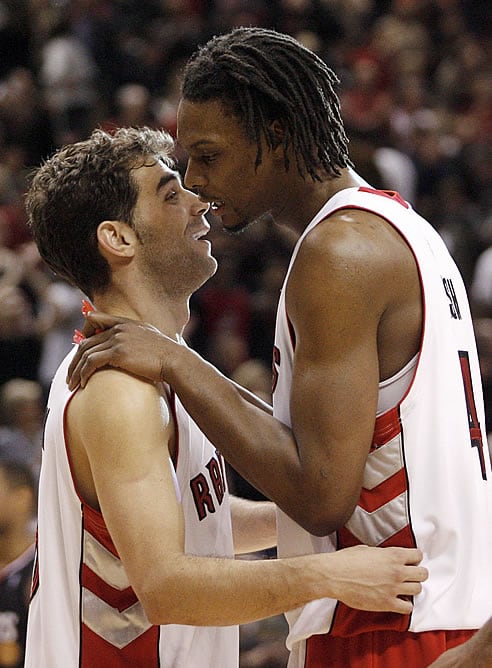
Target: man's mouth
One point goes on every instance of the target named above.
(216, 206)
(200, 234)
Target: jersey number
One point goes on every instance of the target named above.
(473, 423)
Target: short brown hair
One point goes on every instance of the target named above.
(79, 187)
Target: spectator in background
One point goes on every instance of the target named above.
(17, 523)
(132, 108)
(21, 422)
(24, 119)
(68, 75)
(25, 313)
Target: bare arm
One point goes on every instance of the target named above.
(475, 653)
(123, 440)
(254, 525)
(338, 293)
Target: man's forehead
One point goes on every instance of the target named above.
(202, 124)
(157, 174)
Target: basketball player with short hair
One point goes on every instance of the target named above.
(378, 436)
(135, 555)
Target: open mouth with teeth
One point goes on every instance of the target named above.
(216, 205)
(200, 234)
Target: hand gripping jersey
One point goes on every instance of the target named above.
(83, 612)
(427, 480)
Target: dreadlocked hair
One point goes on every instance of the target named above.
(262, 75)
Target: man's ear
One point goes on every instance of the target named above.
(277, 133)
(116, 239)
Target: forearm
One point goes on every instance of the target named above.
(218, 592)
(243, 592)
(258, 446)
(254, 525)
(206, 591)
(253, 399)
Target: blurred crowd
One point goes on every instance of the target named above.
(416, 93)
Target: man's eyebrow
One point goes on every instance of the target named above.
(165, 178)
(202, 143)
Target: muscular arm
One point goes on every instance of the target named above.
(118, 449)
(341, 290)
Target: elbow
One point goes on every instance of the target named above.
(154, 616)
(153, 611)
(159, 613)
(161, 606)
(321, 519)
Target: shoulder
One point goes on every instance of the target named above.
(352, 261)
(352, 233)
(349, 245)
(114, 397)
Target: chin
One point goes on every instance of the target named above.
(238, 227)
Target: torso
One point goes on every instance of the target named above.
(80, 584)
(424, 459)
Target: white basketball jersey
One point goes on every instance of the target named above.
(428, 480)
(83, 612)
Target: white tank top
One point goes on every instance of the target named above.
(427, 480)
(392, 390)
(83, 612)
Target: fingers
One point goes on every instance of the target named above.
(410, 588)
(96, 321)
(83, 364)
(415, 556)
(421, 574)
(410, 555)
(90, 364)
(402, 606)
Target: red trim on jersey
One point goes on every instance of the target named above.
(121, 599)
(402, 538)
(372, 499)
(143, 652)
(388, 425)
(349, 622)
(290, 327)
(94, 523)
(391, 194)
(382, 649)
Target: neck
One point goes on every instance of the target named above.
(168, 315)
(306, 198)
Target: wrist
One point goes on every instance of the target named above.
(173, 362)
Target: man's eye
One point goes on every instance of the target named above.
(170, 195)
(207, 159)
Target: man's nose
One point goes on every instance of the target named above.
(193, 179)
(199, 208)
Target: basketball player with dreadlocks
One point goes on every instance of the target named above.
(378, 428)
